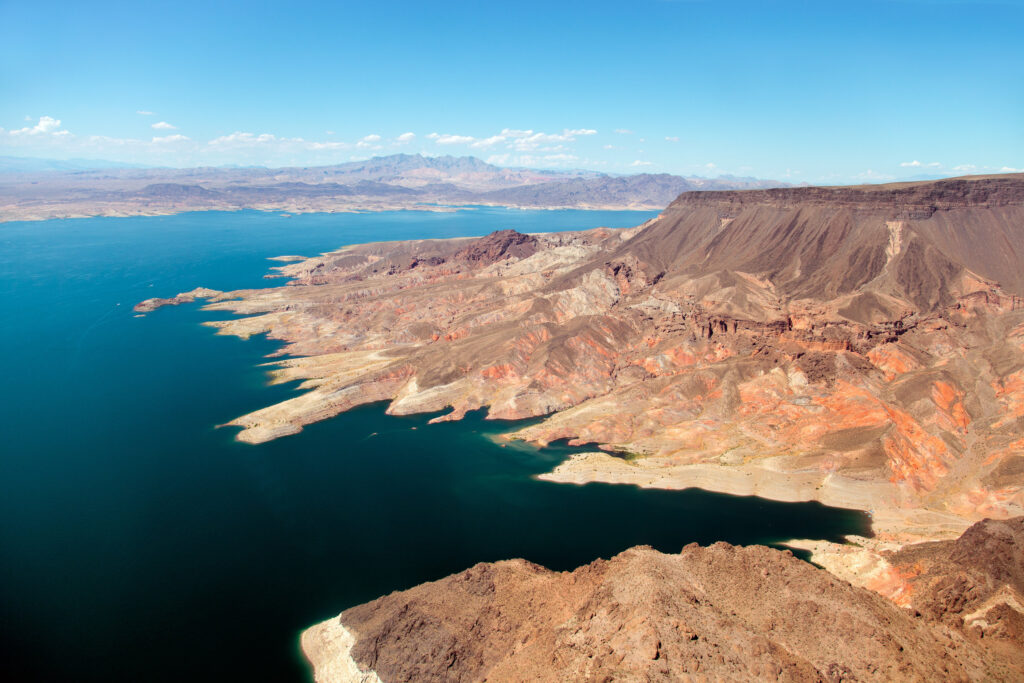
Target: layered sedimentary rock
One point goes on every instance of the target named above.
(863, 346)
(859, 346)
(714, 613)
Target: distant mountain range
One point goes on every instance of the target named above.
(33, 165)
(32, 189)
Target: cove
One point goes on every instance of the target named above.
(140, 542)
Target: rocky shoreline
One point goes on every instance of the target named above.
(854, 346)
(720, 612)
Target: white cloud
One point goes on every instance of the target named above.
(369, 142)
(452, 139)
(163, 125)
(405, 137)
(710, 166)
(328, 145)
(966, 168)
(143, 112)
(1010, 169)
(171, 138)
(239, 138)
(47, 126)
(609, 146)
(106, 140)
(488, 142)
(623, 131)
(913, 164)
(639, 162)
(529, 141)
(672, 138)
(516, 139)
(498, 159)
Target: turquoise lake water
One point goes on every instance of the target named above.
(140, 543)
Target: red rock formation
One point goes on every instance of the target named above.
(856, 342)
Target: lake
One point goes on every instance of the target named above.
(139, 542)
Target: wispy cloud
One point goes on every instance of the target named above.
(623, 131)
(163, 125)
(47, 125)
(487, 142)
(405, 138)
(640, 162)
(369, 142)
(518, 140)
(171, 138)
(239, 138)
(318, 146)
(449, 139)
(672, 138)
(143, 112)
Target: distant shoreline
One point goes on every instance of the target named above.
(40, 216)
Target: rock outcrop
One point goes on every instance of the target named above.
(719, 613)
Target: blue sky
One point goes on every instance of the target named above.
(826, 91)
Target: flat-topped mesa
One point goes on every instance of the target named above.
(720, 612)
(899, 200)
(798, 351)
(885, 248)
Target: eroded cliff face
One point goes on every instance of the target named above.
(720, 612)
(859, 346)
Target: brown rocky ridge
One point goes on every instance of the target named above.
(714, 613)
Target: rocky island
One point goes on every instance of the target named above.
(860, 346)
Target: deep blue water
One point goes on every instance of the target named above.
(140, 543)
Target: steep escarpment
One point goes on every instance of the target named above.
(851, 345)
(721, 612)
(907, 241)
